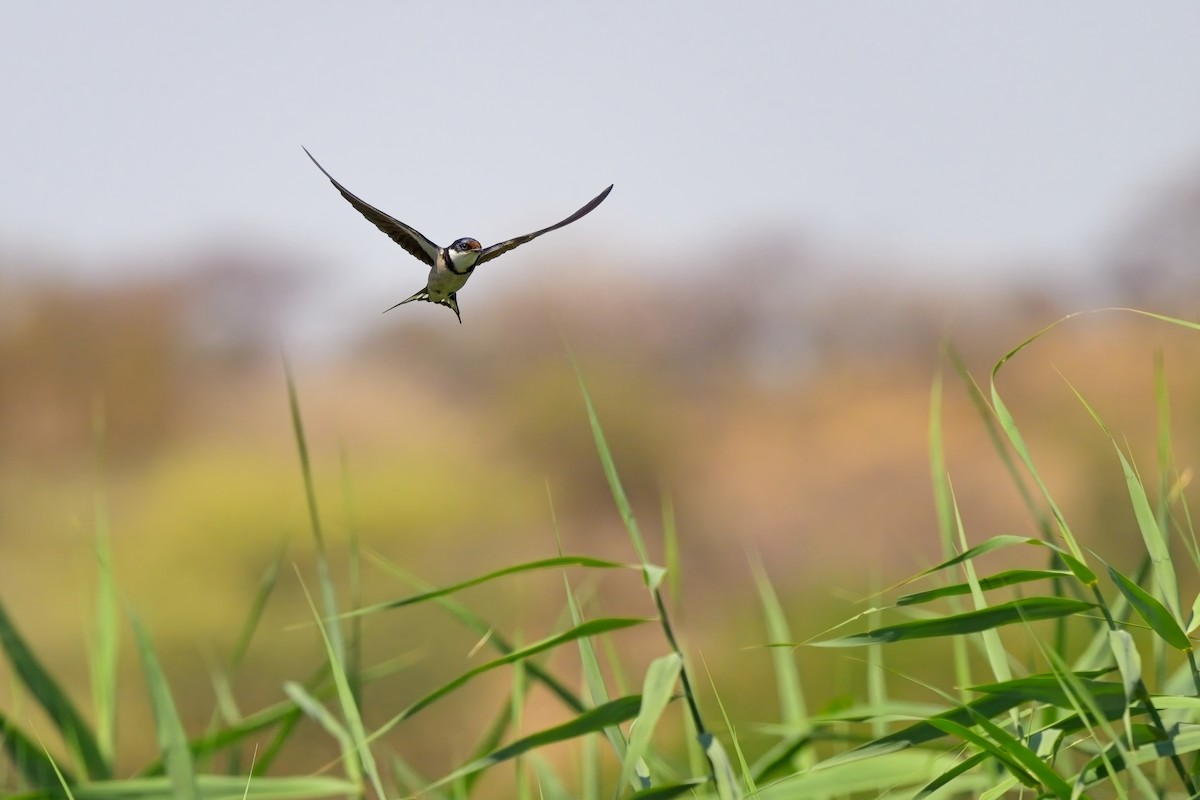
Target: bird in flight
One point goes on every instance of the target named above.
(449, 267)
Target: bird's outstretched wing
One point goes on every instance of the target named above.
(412, 240)
(497, 250)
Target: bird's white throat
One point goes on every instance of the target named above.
(463, 261)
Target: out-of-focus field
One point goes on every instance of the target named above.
(789, 424)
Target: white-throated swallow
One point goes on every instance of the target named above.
(449, 267)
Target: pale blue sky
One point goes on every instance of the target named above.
(942, 128)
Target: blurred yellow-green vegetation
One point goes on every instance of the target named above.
(791, 426)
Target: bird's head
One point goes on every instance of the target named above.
(466, 245)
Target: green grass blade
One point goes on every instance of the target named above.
(1007, 540)
(778, 759)
(1172, 483)
(998, 698)
(937, 467)
(1186, 741)
(1108, 698)
(671, 549)
(405, 775)
(591, 721)
(266, 587)
(1013, 434)
(549, 784)
(1129, 665)
(317, 712)
(495, 640)
(1157, 616)
(105, 654)
(506, 718)
(1183, 323)
(53, 700)
(172, 740)
(996, 437)
(883, 776)
(590, 766)
(324, 577)
(726, 779)
(610, 469)
(697, 762)
(1022, 762)
(1153, 536)
(1016, 749)
(1092, 715)
(347, 703)
(1023, 610)
(219, 787)
(226, 714)
(651, 574)
(945, 504)
(925, 731)
(993, 647)
(747, 771)
(657, 689)
(1166, 455)
(1009, 425)
(310, 493)
(1010, 577)
(1194, 617)
(793, 710)
(29, 758)
(992, 749)
(950, 775)
(594, 676)
(279, 715)
(667, 792)
(529, 566)
(516, 714)
(590, 628)
(282, 734)
(281, 788)
(64, 786)
(354, 648)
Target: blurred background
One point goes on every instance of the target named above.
(811, 199)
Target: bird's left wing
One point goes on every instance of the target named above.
(412, 240)
(497, 250)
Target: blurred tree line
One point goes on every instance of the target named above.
(763, 311)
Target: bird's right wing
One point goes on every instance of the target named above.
(497, 250)
(412, 240)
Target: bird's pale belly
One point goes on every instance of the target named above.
(443, 283)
